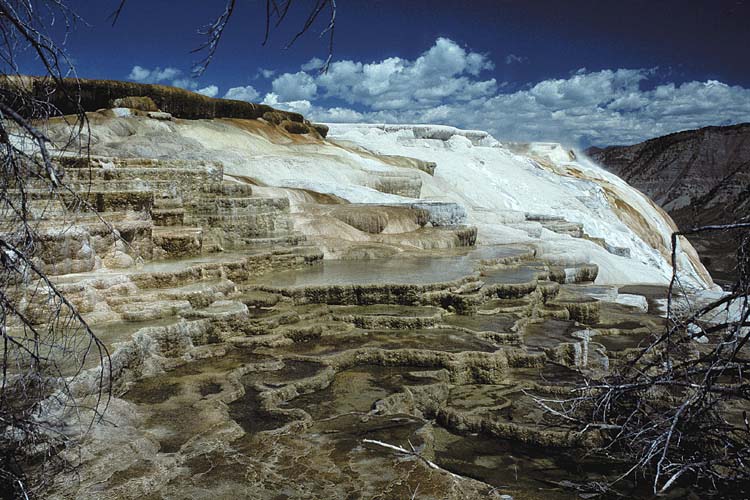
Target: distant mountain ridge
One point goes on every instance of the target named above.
(699, 176)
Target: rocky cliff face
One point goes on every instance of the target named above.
(698, 176)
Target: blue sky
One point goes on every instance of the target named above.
(579, 71)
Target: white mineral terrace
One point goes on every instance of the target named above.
(296, 317)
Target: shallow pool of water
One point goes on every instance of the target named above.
(357, 389)
(404, 270)
(549, 333)
(410, 270)
(510, 275)
(435, 339)
(500, 323)
(521, 471)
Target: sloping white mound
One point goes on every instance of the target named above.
(569, 208)
(500, 185)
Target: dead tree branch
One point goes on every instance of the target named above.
(677, 411)
(275, 13)
(45, 340)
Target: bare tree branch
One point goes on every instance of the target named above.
(671, 410)
(45, 339)
(214, 31)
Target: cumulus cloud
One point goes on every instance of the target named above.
(295, 86)
(265, 73)
(444, 72)
(168, 76)
(210, 91)
(446, 84)
(301, 106)
(609, 107)
(185, 83)
(246, 93)
(313, 64)
(156, 75)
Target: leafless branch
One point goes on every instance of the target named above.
(45, 340)
(673, 410)
(275, 13)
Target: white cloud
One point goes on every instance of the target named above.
(156, 75)
(476, 63)
(265, 73)
(246, 93)
(513, 58)
(444, 72)
(295, 86)
(167, 76)
(301, 106)
(271, 99)
(608, 107)
(313, 64)
(340, 115)
(210, 91)
(185, 83)
(444, 85)
(445, 58)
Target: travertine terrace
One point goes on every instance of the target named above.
(294, 316)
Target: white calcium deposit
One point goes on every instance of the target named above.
(477, 180)
(497, 185)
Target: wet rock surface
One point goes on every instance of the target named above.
(293, 318)
(353, 381)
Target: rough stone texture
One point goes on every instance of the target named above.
(295, 127)
(374, 219)
(408, 186)
(179, 242)
(442, 213)
(699, 177)
(141, 103)
(276, 391)
(145, 174)
(228, 383)
(241, 218)
(160, 115)
(321, 128)
(162, 209)
(99, 94)
(274, 116)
